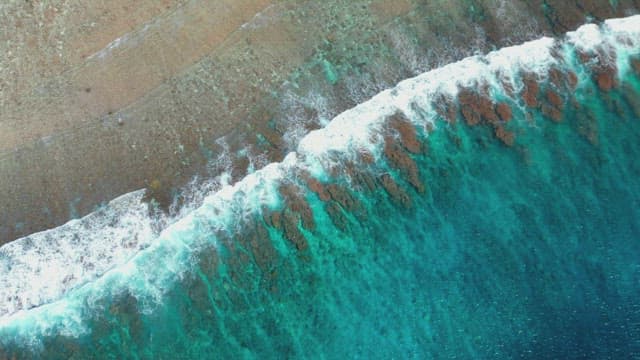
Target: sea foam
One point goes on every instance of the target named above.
(41, 267)
(93, 259)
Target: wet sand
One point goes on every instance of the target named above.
(99, 100)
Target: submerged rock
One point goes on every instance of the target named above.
(531, 89)
(407, 132)
(504, 111)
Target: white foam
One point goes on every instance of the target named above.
(591, 36)
(586, 37)
(627, 26)
(119, 263)
(353, 129)
(147, 273)
(39, 268)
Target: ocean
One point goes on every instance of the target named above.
(485, 209)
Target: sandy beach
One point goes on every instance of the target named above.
(99, 99)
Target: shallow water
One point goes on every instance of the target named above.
(500, 250)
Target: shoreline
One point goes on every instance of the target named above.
(386, 130)
(166, 135)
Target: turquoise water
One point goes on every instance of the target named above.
(523, 251)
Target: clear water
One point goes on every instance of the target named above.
(523, 251)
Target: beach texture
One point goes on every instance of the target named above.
(100, 99)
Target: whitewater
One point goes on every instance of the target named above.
(51, 282)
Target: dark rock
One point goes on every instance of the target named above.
(507, 137)
(504, 111)
(554, 106)
(472, 117)
(557, 77)
(239, 167)
(364, 181)
(398, 195)
(400, 160)
(554, 99)
(366, 157)
(467, 98)
(561, 15)
(477, 106)
(257, 239)
(604, 68)
(296, 203)
(407, 132)
(445, 107)
(274, 139)
(336, 215)
(552, 112)
(584, 57)
(341, 195)
(317, 187)
(606, 80)
(272, 218)
(531, 88)
(292, 232)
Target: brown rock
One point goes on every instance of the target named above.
(615, 105)
(400, 160)
(445, 107)
(276, 219)
(476, 106)
(487, 110)
(556, 77)
(336, 215)
(366, 157)
(504, 111)
(318, 188)
(530, 92)
(467, 99)
(272, 218)
(297, 204)
(472, 117)
(350, 168)
(341, 195)
(407, 132)
(605, 69)
(552, 112)
(364, 181)
(507, 137)
(396, 192)
(273, 138)
(554, 98)
(292, 232)
(239, 167)
(255, 238)
(584, 57)
(606, 80)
